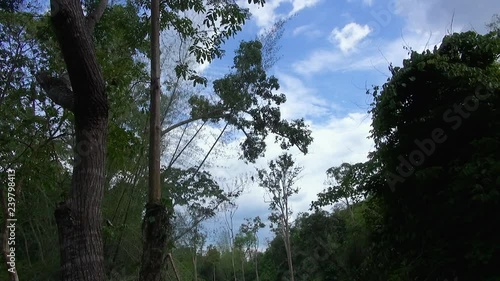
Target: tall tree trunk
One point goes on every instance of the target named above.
(232, 263)
(290, 263)
(288, 249)
(243, 268)
(156, 225)
(349, 207)
(79, 217)
(195, 267)
(229, 223)
(287, 231)
(256, 267)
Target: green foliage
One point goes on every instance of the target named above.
(426, 217)
(221, 21)
(494, 25)
(326, 246)
(34, 137)
(37, 136)
(9, 5)
(196, 191)
(247, 102)
(345, 183)
(436, 222)
(279, 183)
(247, 240)
(443, 106)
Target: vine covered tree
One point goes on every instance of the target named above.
(435, 127)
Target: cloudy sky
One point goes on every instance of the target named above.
(331, 52)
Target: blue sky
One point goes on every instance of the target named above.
(331, 52)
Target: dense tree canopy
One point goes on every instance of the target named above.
(435, 126)
(424, 205)
(432, 184)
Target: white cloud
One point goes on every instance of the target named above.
(301, 100)
(318, 61)
(302, 4)
(425, 24)
(201, 67)
(374, 56)
(266, 16)
(301, 29)
(337, 140)
(365, 2)
(308, 30)
(439, 14)
(349, 36)
(324, 60)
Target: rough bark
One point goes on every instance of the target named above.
(79, 217)
(155, 235)
(58, 90)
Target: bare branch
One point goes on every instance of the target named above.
(196, 223)
(210, 150)
(187, 121)
(176, 155)
(94, 17)
(58, 90)
(212, 114)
